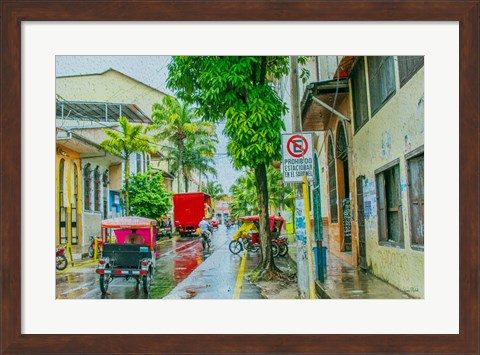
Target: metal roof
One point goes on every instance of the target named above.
(332, 92)
(99, 111)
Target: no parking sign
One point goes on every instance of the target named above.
(297, 156)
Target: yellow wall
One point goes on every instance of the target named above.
(393, 132)
(70, 157)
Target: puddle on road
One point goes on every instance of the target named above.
(187, 255)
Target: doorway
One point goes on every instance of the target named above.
(344, 188)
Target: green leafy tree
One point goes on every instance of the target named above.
(178, 125)
(148, 195)
(128, 140)
(243, 192)
(214, 189)
(199, 152)
(238, 89)
(244, 195)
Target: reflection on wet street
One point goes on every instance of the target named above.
(213, 273)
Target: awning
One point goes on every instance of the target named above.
(83, 146)
(316, 117)
(129, 222)
(99, 111)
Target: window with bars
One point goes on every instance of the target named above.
(61, 182)
(96, 189)
(389, 205)
(332, 182)
(359, 94)
(87, 187)
(381, 81)
(75, 186)
(415, 177)
(105, 182)
(408, 66)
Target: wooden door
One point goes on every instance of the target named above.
(362, 257)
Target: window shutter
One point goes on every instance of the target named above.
(381, 208)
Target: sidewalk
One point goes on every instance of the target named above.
(344, 281)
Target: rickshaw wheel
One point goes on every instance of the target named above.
(283, 250)
(235, 246)
(275, 250)
(61, 262)
(104, 282)
(146, 280)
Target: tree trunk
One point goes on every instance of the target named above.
(127, 175)
(180, 164)
(266, 264)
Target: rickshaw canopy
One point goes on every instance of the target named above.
(273, 219)
(130, 222)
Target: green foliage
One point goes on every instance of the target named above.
(148, 196)
(244, 193)
(130, 139)
(191, 141)
(236, 89)
(214, 189)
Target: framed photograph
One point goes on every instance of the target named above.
(444, 320)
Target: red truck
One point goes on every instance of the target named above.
(188, 210)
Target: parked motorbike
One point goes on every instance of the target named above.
(60, 259)
(91, 248)
(283, 245)
(164, 232)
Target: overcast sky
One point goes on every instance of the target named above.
(151, 70)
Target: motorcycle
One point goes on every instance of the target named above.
(229, 224)
(164, 232)
(91, 248)
(206, 240)
(60, 259)
(283, 245)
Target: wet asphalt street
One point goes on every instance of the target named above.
(183, 270)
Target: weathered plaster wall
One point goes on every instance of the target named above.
(108, 87)
(115, 176)
(394, 131)
(91, 226)
(92, 219)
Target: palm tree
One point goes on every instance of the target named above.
(130, 139)
(196, 157)
(214, 189)
(244, 195)
(199, 151)
(177, 124)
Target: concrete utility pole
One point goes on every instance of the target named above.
(303, 269)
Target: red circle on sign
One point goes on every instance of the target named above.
(293, 142)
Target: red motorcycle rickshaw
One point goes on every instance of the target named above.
(247, 236)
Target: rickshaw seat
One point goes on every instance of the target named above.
(126, 255)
